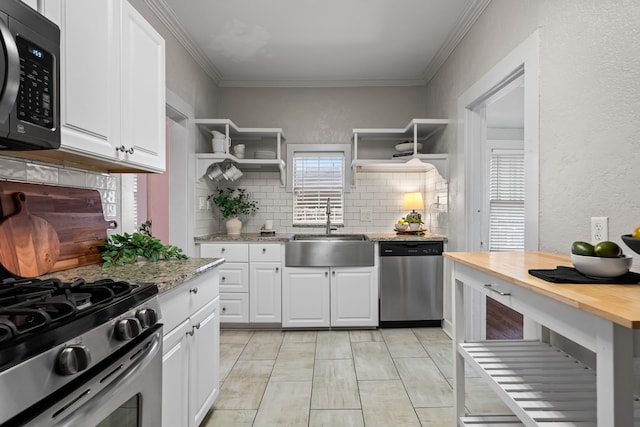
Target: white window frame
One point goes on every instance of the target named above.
(504, 147)
(343, 150)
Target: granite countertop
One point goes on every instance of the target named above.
(166, 274)
(285, 237)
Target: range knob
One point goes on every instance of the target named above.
(127, 328)
(73, 359)
(147, 317)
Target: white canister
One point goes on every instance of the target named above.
(220, 145)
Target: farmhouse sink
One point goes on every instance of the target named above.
(329, 237)
(333, 250)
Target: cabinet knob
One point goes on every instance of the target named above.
(333, 273)
(222, 279)
(264, 250)
(277, 269)
(193, 290)
(326, 274)
(191, 332)
(122, 148)
(130, 150)
(222, 250)
(197, 325)
(224, 308)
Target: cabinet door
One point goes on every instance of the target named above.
(175, 376)
(305, 297)
(204, 361)
(234, 307)
(265, 293)
(354, 296)
(89, 74)
(143, 92)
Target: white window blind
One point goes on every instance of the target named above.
(506, 200)
(316, 178)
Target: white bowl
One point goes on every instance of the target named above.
(402, 227)
(601, 267)
(407, 146)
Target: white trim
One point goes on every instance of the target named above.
(524, 58)
(463, 26)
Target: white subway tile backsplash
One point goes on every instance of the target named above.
(41, 173)
(13, 169)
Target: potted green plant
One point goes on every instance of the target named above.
(414, 221)
(233, 202)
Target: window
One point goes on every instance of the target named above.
(506, 200)
(316, 178)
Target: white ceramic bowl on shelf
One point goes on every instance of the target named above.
(407, 146)
(402, 227)
(601, 267)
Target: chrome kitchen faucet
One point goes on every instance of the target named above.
(328, 230)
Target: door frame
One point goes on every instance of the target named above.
(523, 62)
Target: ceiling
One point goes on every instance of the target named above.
(319, 42)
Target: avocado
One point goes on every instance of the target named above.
(582, 248)
(607, 249)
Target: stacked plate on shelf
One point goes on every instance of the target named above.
(265, 155)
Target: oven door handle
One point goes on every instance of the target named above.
(79, 416)
(10, 90)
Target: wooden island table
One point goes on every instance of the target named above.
(539, 383)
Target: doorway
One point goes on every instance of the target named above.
(513, 80)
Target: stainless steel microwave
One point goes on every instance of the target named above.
(29, 79)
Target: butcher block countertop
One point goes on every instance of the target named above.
(616, 303)
(166, 274)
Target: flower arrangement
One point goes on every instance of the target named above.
(233, 202)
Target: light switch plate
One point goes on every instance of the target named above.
(366, 214)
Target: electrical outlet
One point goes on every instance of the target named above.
(366, 215)
(202, 203)
(599, 229)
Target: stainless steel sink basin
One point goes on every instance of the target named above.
(333, 250)
(329, 237)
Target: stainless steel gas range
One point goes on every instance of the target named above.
(79, 354)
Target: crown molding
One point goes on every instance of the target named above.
(463, 26)
(320, 83)
(169, 19)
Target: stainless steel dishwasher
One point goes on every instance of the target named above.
(411, 283)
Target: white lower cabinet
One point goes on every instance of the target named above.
(250, 281)
(336, 296)
(191, 350)
(354, 296)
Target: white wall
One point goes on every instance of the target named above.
(589, 109)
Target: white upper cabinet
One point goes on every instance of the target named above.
(112, 87)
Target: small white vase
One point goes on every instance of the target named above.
(234, 226)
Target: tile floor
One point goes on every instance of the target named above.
(384, 377)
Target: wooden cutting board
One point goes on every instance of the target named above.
(75, 214)
(29, 245)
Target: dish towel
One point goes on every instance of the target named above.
(563, 274)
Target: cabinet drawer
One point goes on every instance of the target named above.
(234, 307)
(234, 277)
(264, 252)
(174, 307)
(231, 252)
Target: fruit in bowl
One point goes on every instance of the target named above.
(633, 240)
(401, 226)
(602, 260)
